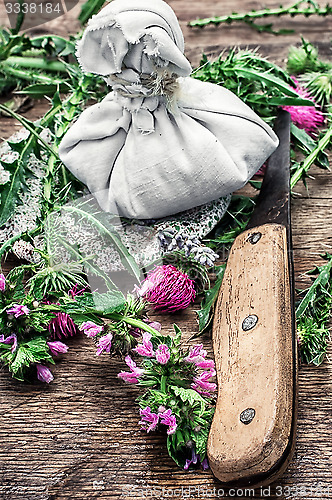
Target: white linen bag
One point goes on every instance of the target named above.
(161, 142)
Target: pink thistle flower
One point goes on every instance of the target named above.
(57, 347)
(206, 364)
(62, 326)
(133, 376)
(146, 348)
(91, 329)
(18, 310)
(2, 283)
(44, 374)
(162, 354)
(305, 117)
(8, 340)
(197, 356)
(168, 419)
(168, 289)
(104, 344)
(148, 418)
(202, 385)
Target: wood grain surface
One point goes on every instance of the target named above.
(79, 438)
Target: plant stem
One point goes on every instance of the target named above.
(134, 322)
(33, 77)
(307, 163)
(36, 63)
(256, 14)
(163, 383)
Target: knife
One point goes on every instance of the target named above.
(252, 436)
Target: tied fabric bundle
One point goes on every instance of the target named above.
(161, 142)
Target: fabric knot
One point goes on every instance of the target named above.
(161, 83)
(141, 110)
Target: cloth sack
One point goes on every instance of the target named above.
(161, 142)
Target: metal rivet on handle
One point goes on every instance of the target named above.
(254, 238)
(247, 416)
(249, 322)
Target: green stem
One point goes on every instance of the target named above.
(163, 383)
(33, 77)
(307, 163)
(293, 10)
(135, 322)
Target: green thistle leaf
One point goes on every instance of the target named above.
(189, 396)
(27, 353)
(95, 303)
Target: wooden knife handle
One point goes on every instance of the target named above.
(253, 430)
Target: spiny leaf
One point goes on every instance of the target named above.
(205, 313)
(311, 294)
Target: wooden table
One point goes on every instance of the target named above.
(79, 436)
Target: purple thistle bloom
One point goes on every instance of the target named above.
(146, 348)
(168, 419)
(202, 385)
(148, 418)
(104, 344)
(91, 329)
(8, 340)
(133, 376)
(305, 117)
(62, 326)
(162, 354)
(2, 283)
(18, 310)
(44, 374)
(168, 289)
(57, 347)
